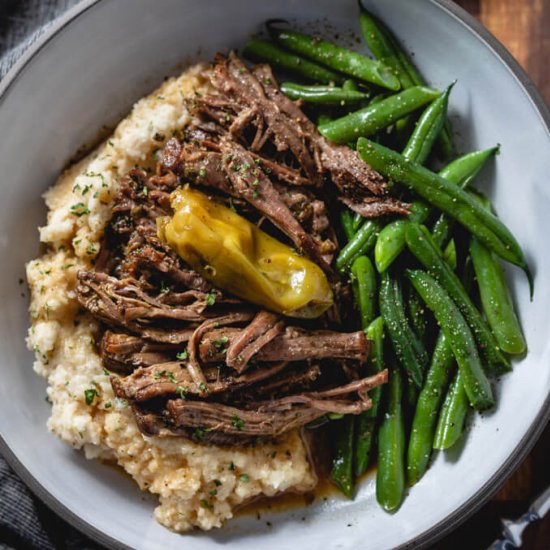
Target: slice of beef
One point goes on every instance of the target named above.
(126, 352)
(262, 330)
(274, 417)
(173, 378)
(295, 345)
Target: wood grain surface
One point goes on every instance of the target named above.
(523, 26)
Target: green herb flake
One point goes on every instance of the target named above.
(182, 355)
(231, 466)
(181, 391)
(210, 298)
(206, 504)
(213, 492)
(237, 422)
(79, 209)
(217, 483)
(145, 191)
(220, 343)
(202, 173)
(159, 374)
(203, 387)
(245, 478)
(171, 377)
(108, 405)
(89, 395)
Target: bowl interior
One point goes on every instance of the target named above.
(88, 75)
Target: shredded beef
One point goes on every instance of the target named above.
(193, 360)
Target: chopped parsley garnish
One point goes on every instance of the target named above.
(217, 482)
(160, 374)
(237, 422)
(164, 288)
(245, 478)
(213, 492)
(256, 182)
(210, 298)
(255, 194)
(171, 377)
(202, 173)
(231, 466)
(200, 432)
(206, 504)
(89, 395)
(108, 405)
(203, 387)
(220, 342)
(106, 372)
(145, 191)
(181, 391)
(182, 355)
(79, 209)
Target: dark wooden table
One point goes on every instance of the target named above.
(523, 26)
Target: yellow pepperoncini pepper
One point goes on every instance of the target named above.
(237, 256)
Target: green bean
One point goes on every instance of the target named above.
(427, 129)
(342, 460)
(464, 169)
(364, 287)
(420, 243)
(346, 219)
(496, 300)
(451, 321)
(258, 49)
(350, 84)
(449, 254)
(382, 46)
(357, 221)
(386, 48)
(467, 167)
(323, 118)
(389, 244)
(335, 57)
(375, 117)
(365, 425)
(448, 198)
(407, 347)
(416, 313)
(322, 95)
(427, 409)
(445, 139)
(450, 424)
(391, 240)
(361, 243)
(390, 473)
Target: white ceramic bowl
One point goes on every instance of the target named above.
(87, 71)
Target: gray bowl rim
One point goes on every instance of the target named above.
(493, 484)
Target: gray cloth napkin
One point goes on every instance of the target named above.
(26, 523)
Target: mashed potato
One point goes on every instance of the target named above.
(198, 485)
